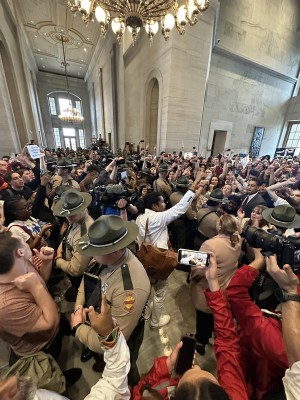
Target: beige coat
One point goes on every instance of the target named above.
(227, 260)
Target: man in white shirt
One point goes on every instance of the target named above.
(158, 220)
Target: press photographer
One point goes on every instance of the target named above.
(281, 241)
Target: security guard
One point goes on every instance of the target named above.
(73, 205)
(122, 278)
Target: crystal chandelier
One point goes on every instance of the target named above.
(136, 14)
(70, 114)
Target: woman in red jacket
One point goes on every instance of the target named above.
(197, 383)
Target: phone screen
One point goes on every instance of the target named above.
(124, 175)
(95, 295)
(186, 355)
(191, 257)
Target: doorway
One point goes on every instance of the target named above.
(70, 138)
(152, 102)
(219, 140)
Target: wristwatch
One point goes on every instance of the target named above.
(74, 329)
(283, 296)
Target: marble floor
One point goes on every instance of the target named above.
(156, 342)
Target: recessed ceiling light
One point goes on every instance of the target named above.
(80, 67)
(62, 30)
(81, 60)
(78, 42)
(45, 33)
(32, 22)
(85, 49)
(35, 36)
(88, 38)
(39, 49)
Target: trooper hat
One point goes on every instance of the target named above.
(284, 216)
(107, 234)
(218, 196)
(65, 163)
(163, 168)
(146, 171)
(182, 181)
(71, 202)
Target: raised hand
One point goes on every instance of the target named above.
(102, 323)
(285, 277)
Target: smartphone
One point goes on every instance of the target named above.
(124, 175)
(186, 355)
(192, 257)
(94, 296)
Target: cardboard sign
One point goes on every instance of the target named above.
(188, 155)
(244, 161)
(34, 151)
(284, 152)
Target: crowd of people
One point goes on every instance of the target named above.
(82, 216)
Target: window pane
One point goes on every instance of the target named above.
(52, 106)
(64, 105)
(57, 137)
(81, 138)
(67, 142)
(293, 139)
(78, 108)
(69, 132)
(73, 144)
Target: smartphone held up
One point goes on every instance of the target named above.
(185, 358)
(193, 258)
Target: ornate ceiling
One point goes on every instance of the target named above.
(44, 21)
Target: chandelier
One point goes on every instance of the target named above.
(70, 114)
(136, 14)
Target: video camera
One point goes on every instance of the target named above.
(287, 249)
(107, 196)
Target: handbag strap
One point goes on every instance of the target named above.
(147, 232)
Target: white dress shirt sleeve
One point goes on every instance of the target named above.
(291, 382)
(113, 385)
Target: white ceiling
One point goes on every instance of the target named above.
(44, 21)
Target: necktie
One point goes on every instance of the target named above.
(245, 201)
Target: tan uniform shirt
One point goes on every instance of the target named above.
(126, 305)
(191, 213)
(162, 187)
(74, 263)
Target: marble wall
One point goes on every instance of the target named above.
(19, 120)
(255, 62)
(235, 70)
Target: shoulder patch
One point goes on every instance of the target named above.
(129, 302)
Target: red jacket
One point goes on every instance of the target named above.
(263, 355)
(158, 378)
(227, 353)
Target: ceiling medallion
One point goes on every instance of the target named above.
(137, 14)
